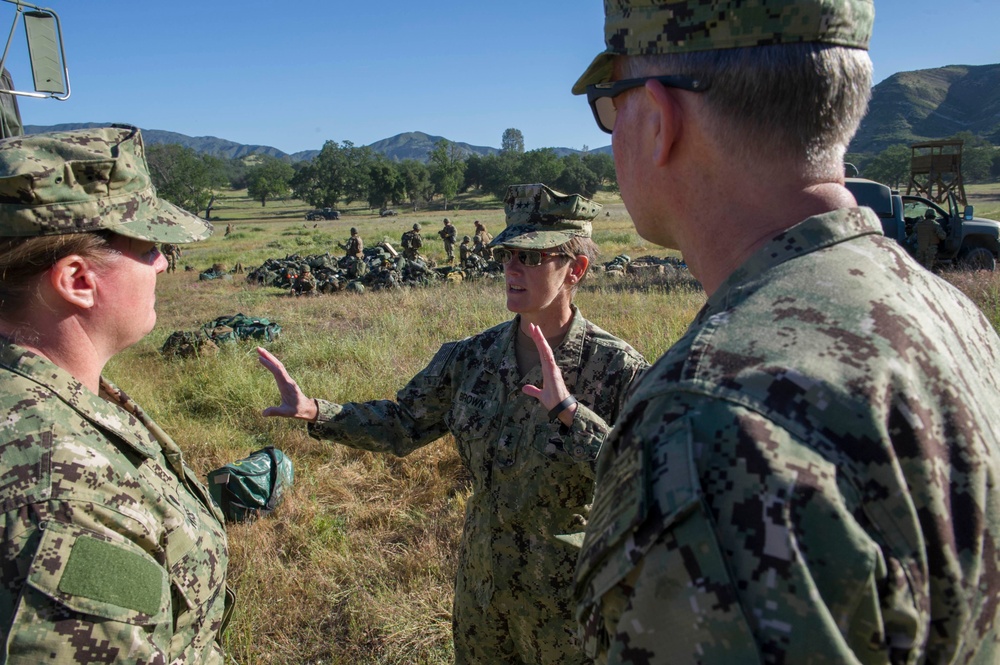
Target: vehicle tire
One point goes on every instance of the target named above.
(978, 258)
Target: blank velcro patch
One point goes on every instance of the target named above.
(106, 573)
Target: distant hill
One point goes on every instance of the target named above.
(410, 145)
(932, 104)
(204, 144)
(418, 146)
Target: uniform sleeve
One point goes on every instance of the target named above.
(723, 540)
(81, 592)
(414, 419)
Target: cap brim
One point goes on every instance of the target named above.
(529, 237)
(600, 71)
(167, 223)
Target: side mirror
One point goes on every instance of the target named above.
(45, 51)
(968, 213)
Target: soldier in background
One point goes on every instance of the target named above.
(448, 234)
(811, 474)
(355, 246)
(928, 234)
(412, 242)
(112, 551)
(464, 250)
(172, 252)
(485, 239)
(305, 283)
(529, 450)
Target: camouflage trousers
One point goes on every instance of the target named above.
(514, 628)
(926, 256)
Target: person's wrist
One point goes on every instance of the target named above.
(557, 410)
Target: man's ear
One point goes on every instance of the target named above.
(579, 269)
(73, 279)
(669, 115)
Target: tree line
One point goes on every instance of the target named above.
(343, 172)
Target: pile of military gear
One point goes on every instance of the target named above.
(618, 266)
(225, 329)
(669, 271)
(381, 268)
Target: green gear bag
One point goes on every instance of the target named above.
(239, 326)
(253, 486)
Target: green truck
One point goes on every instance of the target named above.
(973, 243)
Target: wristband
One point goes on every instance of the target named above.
(555, 411)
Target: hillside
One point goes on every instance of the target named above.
(203, 144)
(409, 145)
(932, 104)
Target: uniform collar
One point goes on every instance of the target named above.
(567, 354)
(111, 413)
(811, 234)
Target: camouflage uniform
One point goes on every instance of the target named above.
(929, 235)
(483, 240)
(171, 252)
(355, 247)
(92, 484)
(411, 242)
(823, 494)
(305, 283)
(532, 478)
(449, 234)
(110, 548)
(464, 250)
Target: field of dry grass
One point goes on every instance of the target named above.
(357, 564)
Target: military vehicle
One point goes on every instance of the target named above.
(48, 64)
(388, 212)
(324, 213)
(973, 243)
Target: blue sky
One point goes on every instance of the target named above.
(293, 75)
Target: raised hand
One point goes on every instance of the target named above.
(553, 390)
(294, 403)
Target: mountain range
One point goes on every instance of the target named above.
(906, 107)
(409, 145)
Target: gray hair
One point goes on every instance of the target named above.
(799, 101)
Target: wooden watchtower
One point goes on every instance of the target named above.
(936, 170)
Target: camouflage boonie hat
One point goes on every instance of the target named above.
(86, 180)
(648, 27)
(539, 217)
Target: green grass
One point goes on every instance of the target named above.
(357, 565)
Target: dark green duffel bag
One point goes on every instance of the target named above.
(253, 486)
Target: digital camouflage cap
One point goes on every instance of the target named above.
(539, 217)
(649, 27)
(87, 180)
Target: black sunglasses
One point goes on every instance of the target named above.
(601, 96)
(529, 257)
